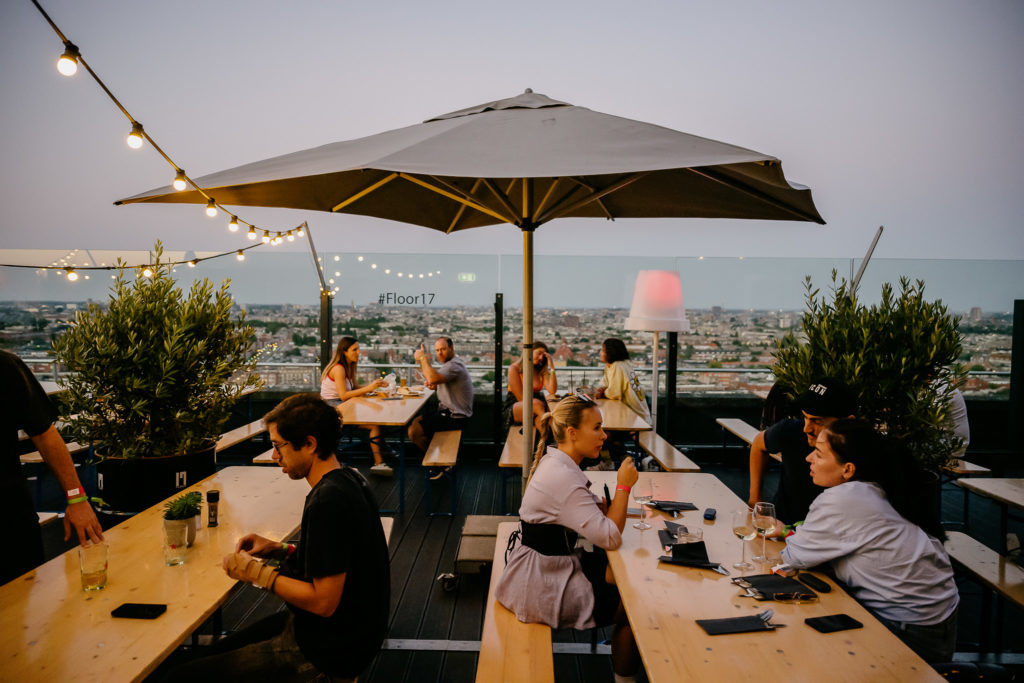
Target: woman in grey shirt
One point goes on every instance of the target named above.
(881, 539)
(546, 579)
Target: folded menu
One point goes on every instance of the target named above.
(718, 627)
(671, 505)
(690, 555)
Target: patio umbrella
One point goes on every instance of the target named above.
(525, 160)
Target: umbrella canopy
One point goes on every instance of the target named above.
(525, 160)
(466, 169)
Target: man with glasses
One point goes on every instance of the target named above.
(335, 580)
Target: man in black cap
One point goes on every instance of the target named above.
(824, 402)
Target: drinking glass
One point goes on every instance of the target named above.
(175, 542)
(743, 528)
(642, 495)
(764, 523)
(93, 559)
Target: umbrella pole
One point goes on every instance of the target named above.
(527, 355)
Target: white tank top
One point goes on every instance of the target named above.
(328, 389)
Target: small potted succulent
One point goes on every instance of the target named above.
(185, 508)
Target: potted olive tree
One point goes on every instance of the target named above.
(899, 356)
(151, 379)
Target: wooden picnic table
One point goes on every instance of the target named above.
(618, 417)
(1006, 491)
(663, 601)
(52, 630)
(393, 415)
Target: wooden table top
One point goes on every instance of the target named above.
(371, 410)
(618, 417)
(52, 630)
(50, 388)
(663, 601)
(1008, 491)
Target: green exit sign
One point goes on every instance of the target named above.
(467, 277)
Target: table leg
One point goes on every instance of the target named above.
(401, 473)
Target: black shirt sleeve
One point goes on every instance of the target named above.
(26, 400)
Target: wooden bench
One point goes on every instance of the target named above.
(47, 517)
(35, 458)
(742, 429)
(240, 435)
(670, 459)
(511, 460)
(511, 651)
(476, 543)
(439, 460)
(265, 458)
(993, 571)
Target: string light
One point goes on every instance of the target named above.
(291, 237)
(301, 231)
(252, 233)
(374, 266)
(233, 224)
(179, 183)
(211, 208)
(192, 263)
(67, 64)
(134, 139)
(240, 255)
(147, 272)
(359, 258)
(72, 275)
(266, 236)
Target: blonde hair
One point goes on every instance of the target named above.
(568, 413)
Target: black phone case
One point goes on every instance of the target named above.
(833, 623)
(812, 581)
(138, 610)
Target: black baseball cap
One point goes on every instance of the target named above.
(827, 397)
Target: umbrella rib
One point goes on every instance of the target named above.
(362, 193)
(455, 197)
(547, 196)
(607, 213)
(558, 211)
(462, 209)
(501, 196)
(752, 192)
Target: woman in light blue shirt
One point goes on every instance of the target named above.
(880, 537)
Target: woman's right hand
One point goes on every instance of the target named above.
(627, 474)
(378, 383)
(599, 392)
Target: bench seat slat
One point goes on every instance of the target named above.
(989, 567)
(670, 459)
(443, 450)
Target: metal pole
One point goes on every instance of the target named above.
(867, 257)
(527, 353)
(499, 346)
(672, 356)
(325, 304)
(654, 385)
(1016, 406)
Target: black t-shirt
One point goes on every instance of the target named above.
(23, 405)
(341, 533)
(796, 490)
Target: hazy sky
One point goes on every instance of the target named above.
(904, 113)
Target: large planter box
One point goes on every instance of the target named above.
(138, 483)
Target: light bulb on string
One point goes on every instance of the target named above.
(147, 272)
(192, 263)
(252, 233)
(300, 232)
(266, 236)
(233, 224)
(211, 208)
(179, 182)
(360, 258)
(67, 64)
(240, 255)
(290, 236)
(72, 275)
(134, 139)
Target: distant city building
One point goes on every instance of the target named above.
(975, 315)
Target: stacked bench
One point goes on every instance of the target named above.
(510, 650)
(994, 572)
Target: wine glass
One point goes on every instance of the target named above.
(764, 522)
(743, 528)
(642, 494)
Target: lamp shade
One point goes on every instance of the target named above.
(658, 303)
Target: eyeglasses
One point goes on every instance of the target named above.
(582, 398)
(278, 445)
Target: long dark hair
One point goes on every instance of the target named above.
(339, 359)
(614, 350)
(882, 460)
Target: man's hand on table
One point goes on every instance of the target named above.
(258, 546)
(244, 567)
(83, 518)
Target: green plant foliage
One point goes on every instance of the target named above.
(156, 372)
(185, 506)
(900, 357)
